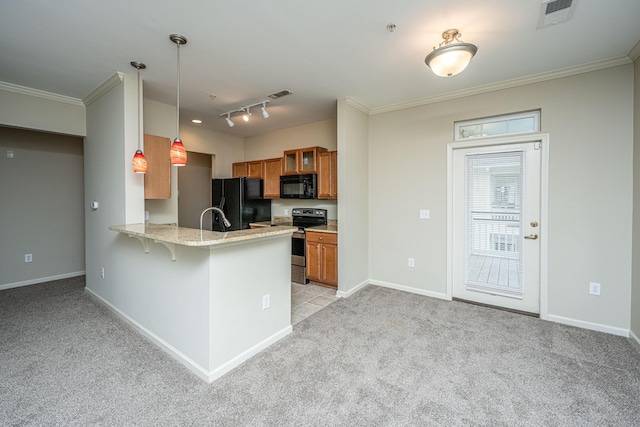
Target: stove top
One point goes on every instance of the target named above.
(308, 217)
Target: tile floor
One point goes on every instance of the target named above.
(308, 299)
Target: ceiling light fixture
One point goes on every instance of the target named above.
(246, 112)
(178, 152)
(139, 162)
(452, 55)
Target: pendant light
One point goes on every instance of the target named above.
(178, 152)
(452, 55)
(139, 162)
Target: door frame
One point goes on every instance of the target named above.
(543, 138)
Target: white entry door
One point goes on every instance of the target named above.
(496, 230)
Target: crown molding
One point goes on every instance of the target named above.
(105, 87)
(634, 53)
(23, 90)
(535, 78)
(360, 107)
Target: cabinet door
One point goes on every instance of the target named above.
(272, 172)
(290, 162)
(157, 180)
(329, 267)
(334, 174)
(239, 169)
(254, 169)
(324, 176)
(313, 260)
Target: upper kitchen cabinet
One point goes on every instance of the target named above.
(249, 169)
(303, 160)
(271, 171)
(239, 169)
(328, 175)
(157, 180)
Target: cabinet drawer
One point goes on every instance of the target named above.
(329, 238)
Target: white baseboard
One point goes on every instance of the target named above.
(245, 355)
(589, 325)
(347, 294)
(185, 360)
(409, 289)
(42, 280)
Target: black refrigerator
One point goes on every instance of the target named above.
(241, 201)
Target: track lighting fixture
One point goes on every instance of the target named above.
(246, 112)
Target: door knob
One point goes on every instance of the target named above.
(531, 236)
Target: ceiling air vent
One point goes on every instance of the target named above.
(553, 12)
(280, 94)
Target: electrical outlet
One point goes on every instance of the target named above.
(28, 257)
(102, 272)
(425, 214)
(594, 288)
(412, 262)
(286, 212)
(9, 154)
(266, 301)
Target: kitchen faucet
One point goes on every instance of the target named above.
(225, 221)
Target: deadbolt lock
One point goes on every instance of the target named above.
(534, 224)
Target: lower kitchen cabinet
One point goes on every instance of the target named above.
(322, 259)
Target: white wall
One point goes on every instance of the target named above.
(589, 119)
(353, 197)
(32, 109)
(42, 207)
(159, 119)
(273, 144)
(635, 297)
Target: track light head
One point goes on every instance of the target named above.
(246, 115)
(229, 121)
(265, 113)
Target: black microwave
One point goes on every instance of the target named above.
(303, 186)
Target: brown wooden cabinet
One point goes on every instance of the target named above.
(251, 169)
(271, 171)
(239, 169)
(302, 160)
(322, 258)
(157, 180)
(328, 175)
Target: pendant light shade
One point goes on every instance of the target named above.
(139, 162)
(178, 152)
(452, 56)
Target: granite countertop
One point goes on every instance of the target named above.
(194, 237)
(331, 228)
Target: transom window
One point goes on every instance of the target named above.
(509, 124)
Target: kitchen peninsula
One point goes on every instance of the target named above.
(210, 299)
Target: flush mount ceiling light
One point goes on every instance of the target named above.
(452, 55)
(246, 112)
(178, 152)
(139, 162)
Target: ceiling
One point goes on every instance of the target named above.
(321, 51)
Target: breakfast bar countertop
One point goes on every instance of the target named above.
(195, 237)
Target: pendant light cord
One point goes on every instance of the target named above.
(178, 100)
(138, 108)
